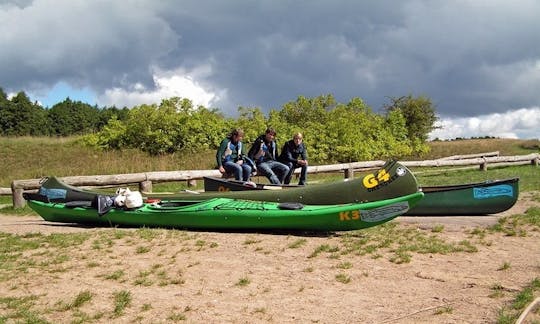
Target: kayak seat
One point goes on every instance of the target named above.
(290, 205)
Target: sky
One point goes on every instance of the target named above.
(477, 60)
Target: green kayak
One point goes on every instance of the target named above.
(227, 214)
(390, 181)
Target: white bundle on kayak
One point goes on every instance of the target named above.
(128, 198)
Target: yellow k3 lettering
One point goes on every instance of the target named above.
(349, 215)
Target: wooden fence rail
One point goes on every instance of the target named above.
(145, 179)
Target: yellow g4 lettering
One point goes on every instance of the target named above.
(223, 189)
(371, 180)
(383, 176)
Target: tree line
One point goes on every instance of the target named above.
(19, 116)
(333, 131)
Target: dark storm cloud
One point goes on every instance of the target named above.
(470, 57)
(95, 43)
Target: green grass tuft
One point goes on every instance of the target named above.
(122, 300)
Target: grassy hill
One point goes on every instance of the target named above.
(35, 157)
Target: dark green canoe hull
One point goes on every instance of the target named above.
(234, 214)
(390, 181)
(484, 198)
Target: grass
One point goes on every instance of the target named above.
(297, 244)
(19, 309)
(505, 266)
(343, 278)
(67, 157)
(242, 282)
(528, 176)
(116, 275)
(511, 311)
(122, 300)
(444, 310)
(440, 149)
(82, 298)
(517, 225)
(399, 241)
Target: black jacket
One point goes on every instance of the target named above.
(261, 151)
(293, 153)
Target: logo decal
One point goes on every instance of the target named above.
(53, 193)
(382, 213)
(492, 192)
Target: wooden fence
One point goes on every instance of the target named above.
(146, 179)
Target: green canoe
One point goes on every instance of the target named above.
(227, 214)
(482, 198)
(390, 181)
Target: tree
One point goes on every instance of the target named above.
(20, 117)
(108, 113)
(307, 110)
(419, 115)
(73, 117)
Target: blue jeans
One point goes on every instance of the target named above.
(241, 172)
(303, 173)
(275, 171)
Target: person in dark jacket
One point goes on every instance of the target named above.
(294, 155)
(264, 153)
(230, 156)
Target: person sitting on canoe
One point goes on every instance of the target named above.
(231, 158)
(294, 155)
(264, 153)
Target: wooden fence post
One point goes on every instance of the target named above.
(18, 199)
(145, 186)
(349, 173)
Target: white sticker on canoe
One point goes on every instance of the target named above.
(382, 213)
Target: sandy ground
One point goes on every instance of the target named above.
(211, 277)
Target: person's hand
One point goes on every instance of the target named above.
(240, 162)
(302, 162)
(222, 169)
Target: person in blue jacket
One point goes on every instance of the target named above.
(294, 155)
(264, 153)
(231, 157)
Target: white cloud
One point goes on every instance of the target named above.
(522, 123)
(168, 84)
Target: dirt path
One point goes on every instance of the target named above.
(210, 277)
